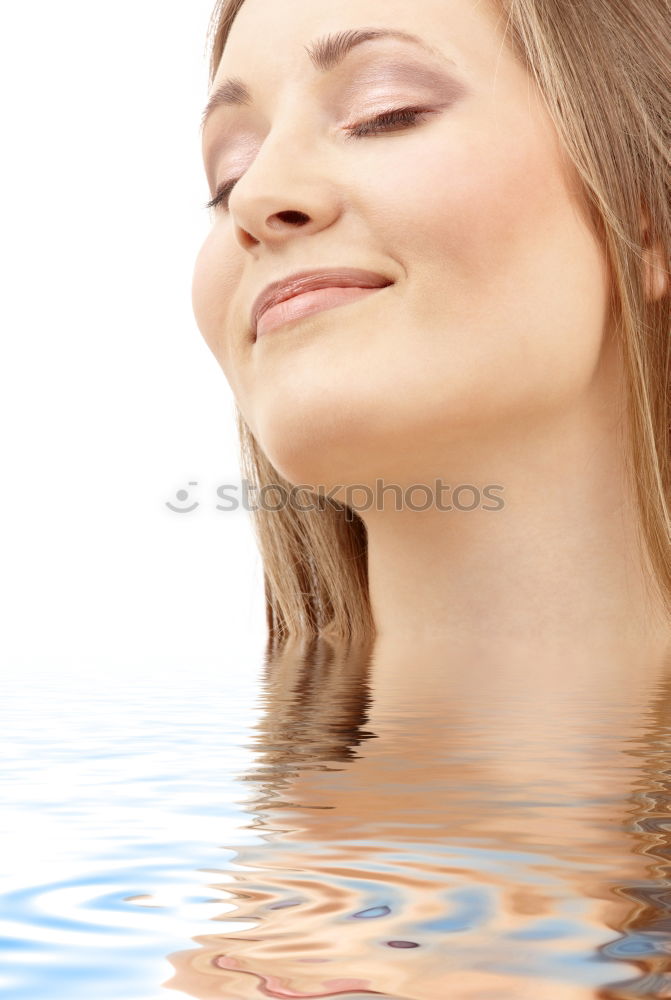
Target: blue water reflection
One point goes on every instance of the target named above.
(231, 830)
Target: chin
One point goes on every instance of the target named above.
(315, 465)
(330, 463)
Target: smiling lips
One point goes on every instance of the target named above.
(308, 292)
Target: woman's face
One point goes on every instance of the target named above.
(497, 313)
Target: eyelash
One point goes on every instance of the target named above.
(387, 121)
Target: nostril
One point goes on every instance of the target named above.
(291, 216)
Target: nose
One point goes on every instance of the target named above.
(288, 191)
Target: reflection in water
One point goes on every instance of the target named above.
(645, 938)
(431, 829)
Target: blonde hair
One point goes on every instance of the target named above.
(602, 68)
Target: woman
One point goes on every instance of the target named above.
(481, 417)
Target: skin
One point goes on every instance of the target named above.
(490, 360)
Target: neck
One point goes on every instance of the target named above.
(560, 563)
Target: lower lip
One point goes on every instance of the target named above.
(308, 303)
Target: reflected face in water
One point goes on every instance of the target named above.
(497, 310)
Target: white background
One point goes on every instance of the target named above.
(111, 401)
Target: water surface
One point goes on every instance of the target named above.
(326, 823)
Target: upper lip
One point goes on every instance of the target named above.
(308, 281)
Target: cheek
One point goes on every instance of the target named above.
(216, 278)
(505, 273)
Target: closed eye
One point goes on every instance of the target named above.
(222, 194)
(386, 121)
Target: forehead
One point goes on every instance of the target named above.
(270, 37)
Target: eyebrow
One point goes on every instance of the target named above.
(325, 54)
